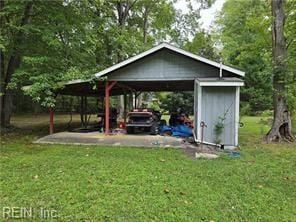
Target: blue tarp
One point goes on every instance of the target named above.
(177, 131)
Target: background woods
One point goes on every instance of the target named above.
(47, 42)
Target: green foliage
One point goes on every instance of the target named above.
(67, 40)
(202, 44)
(75, 39)
(291, 97)
(219, 126)
(244, 31)
(171, 101)
(245, 109)
(290, 32)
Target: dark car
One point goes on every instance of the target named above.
(143, 120)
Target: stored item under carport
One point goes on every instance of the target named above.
(143, 120)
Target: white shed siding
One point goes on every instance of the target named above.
(215, 102)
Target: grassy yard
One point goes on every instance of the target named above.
(131, 184)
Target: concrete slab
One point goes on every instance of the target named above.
(96, 138)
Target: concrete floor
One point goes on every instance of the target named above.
(96, 138)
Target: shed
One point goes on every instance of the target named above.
(165, 67)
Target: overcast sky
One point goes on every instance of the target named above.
(207, 15)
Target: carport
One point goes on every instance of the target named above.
(168, 68)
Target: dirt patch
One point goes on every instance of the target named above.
(201, 151)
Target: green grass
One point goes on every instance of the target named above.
(87, 183)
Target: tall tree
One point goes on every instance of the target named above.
(14, 57)
(282, 124)
(55, 41)
(245, 28)
(243, 32)
(52, 44)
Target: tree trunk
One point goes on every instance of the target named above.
(145, 24)
(6, 98)
(13, 64)
(282, 124)
(123, 9)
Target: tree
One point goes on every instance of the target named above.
(245, 28)
(243, 32)
(15, 53)
(282, 124)
(202, 44)
(48, 42)
(171, 101)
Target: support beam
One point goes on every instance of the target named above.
(125, 87)
(125, 106)
(136, 96)
(107, 108)
(82, 111)
(108, 87)
(135, 101)
(51, 125)
(111, 85)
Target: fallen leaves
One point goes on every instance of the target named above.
(287, 178)
(182, 193)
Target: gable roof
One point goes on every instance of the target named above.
(174, 49)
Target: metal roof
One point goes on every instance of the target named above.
(86, 87)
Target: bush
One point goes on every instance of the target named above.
(267, 113)
(245, 109)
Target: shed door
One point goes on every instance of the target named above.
(218, 106)
(210, 104)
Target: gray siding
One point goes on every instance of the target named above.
(215, 102)
(166, 65)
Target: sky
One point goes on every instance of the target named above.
(207, 15)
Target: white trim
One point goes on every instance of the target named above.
(76, 81)
(208, 143)
(229, 147)
(164, 79)
(173, 48)
(199, 104)
(221, 75)
(221, 83)
(195, 108)
(237, 96)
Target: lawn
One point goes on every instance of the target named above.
(88, 183)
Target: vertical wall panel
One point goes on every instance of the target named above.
(215, 102)
(167, 65)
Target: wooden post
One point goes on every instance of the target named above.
(85, 111)
(135, 106)
(51, 126)
(107, 105)
(125, 106)
(82, 111)
(136, 97)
